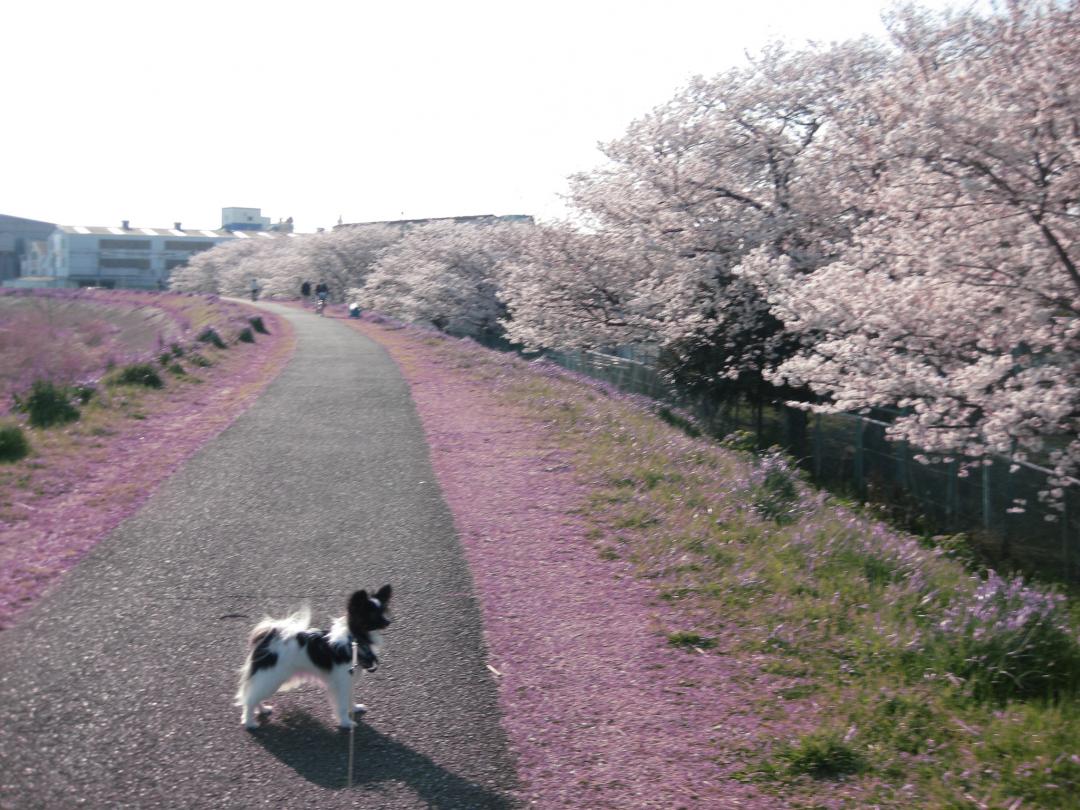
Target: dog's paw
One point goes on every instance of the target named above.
(359, 710)
(264, 710)
(346, 725)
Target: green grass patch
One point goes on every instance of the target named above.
(48, 404)
(798, 692)
(137, 374)
(678, 421)
(636, 519)
(13, 442)
(777, 496)
(821, 755)
(689, 640)
(210, 335)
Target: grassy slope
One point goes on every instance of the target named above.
(83, 478)
(72, 335)
(903, 678)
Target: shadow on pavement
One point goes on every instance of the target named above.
(320, 755)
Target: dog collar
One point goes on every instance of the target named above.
(366, 646)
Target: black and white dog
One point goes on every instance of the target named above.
(287, 652)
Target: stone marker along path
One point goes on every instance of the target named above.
(116, 688)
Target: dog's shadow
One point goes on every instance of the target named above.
(321, 755)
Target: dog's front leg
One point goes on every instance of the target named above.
(341, 694)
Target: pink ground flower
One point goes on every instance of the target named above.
(75, 499)
(600, 710)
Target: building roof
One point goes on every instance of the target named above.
(102, 230)
(474, 219)
(10, 221)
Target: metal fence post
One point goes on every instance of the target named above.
(901, 464)
(951, 495)
(860, 484)
(817, 446)
(1006, 493)
(1065, 556)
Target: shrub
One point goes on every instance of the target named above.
(177, 350)
(176, 368)
(13, 442)
(142, 374)
(246, 335)
(688, 640)
(741, 440)
(822, 755)
(678, 420)
(906, 722)
(1009, 640)
(48, 404)
(775, 495)
(84, 392)
(197, 359)
(210, 335)
(165, 358)
(258, 325)
(960, 547)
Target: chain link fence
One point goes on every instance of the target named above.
(996, 505)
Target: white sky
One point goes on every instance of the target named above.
(159, 112)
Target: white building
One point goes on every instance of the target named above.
(140, 258)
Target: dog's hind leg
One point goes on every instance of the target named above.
(257, 688)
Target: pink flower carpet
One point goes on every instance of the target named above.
(600, 710)
(74, 501)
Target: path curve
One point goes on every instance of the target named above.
(115, 689)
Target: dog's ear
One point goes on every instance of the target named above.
(358, 601)
(383, 595)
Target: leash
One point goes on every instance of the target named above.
(352, 706)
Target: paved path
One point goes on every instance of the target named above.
(116, 690)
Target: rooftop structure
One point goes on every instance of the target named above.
(244, 219)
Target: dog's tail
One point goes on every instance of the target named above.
(288, 627)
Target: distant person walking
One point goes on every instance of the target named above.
(322, 292)
(254, 289)
(305, 290)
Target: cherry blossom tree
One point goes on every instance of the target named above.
(280, 264)
(445, 274)
(728, 165)
(957, 301)
(342, 258)
(225, 269)
(571, 289)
